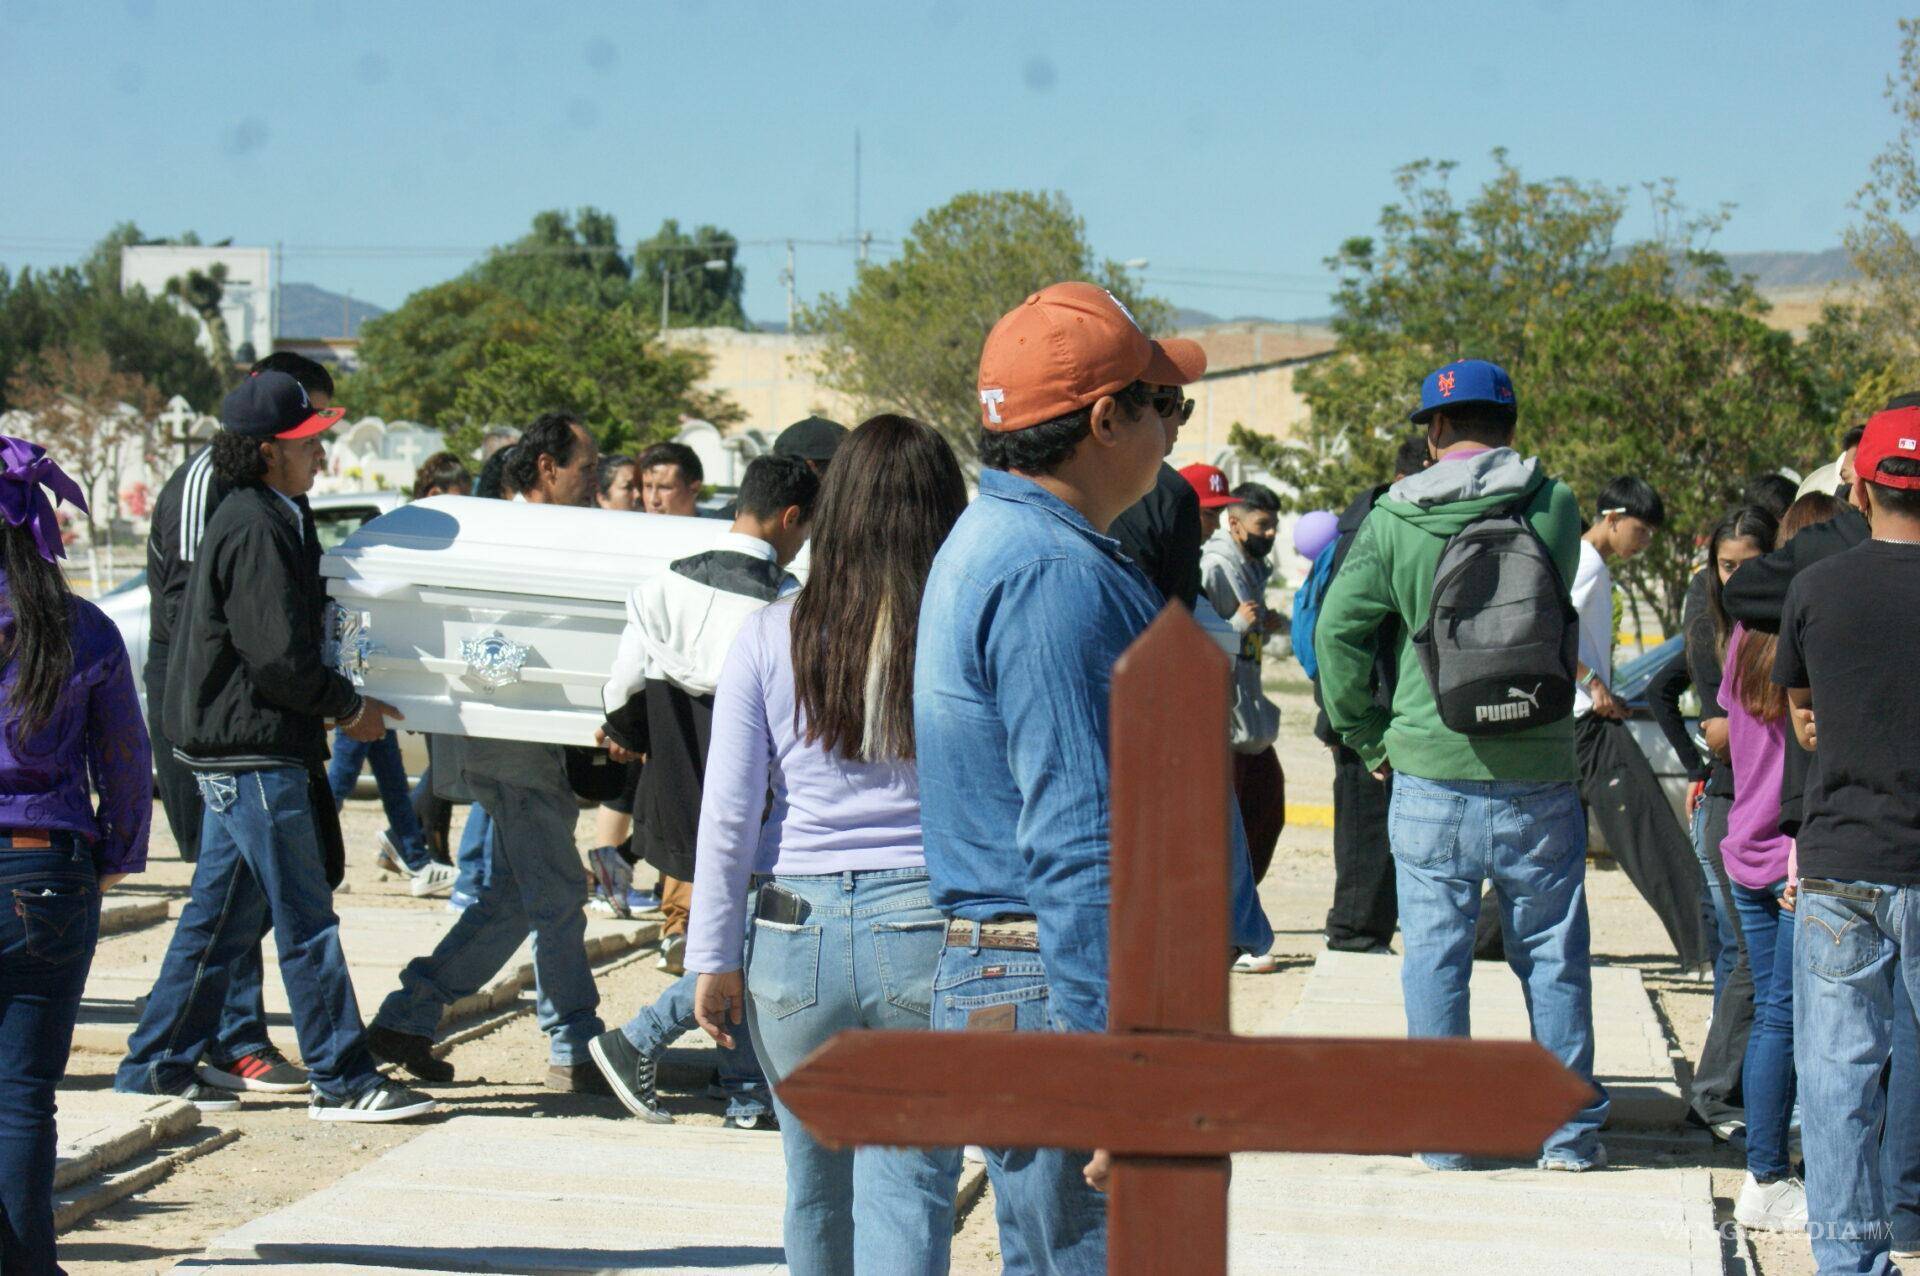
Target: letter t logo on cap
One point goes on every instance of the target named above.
(991, 400)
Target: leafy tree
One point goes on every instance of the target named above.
(561, 261)
(907, 335)
(1883, 248)
(414, 361)
(1647, 358)
(607, 367)
(698, 297)
(86, 414)
(201, 291)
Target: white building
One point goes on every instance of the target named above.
(248, 303)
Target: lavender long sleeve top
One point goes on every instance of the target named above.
(773, 803)
(95, 732)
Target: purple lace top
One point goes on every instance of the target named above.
(96, 732)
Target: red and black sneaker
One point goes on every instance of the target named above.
(264, 1070)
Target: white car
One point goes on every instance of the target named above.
(336, 516)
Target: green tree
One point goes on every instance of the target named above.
(414, 361)
(1883, 247)
(699, 295)
(1647, 358)
(906, 337)
(561, 261)
(607, 367)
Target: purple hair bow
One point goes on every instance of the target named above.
(25, 472)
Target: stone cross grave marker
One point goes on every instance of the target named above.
(1167, 1089)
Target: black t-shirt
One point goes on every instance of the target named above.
(1846, 631)
(1161, 533)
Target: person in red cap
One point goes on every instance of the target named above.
(1029, 603)
(1846, 635)
(1210, 489)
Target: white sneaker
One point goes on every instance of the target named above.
(673, 955)
(1779, 1206)
(1250, 964)
(435, 879)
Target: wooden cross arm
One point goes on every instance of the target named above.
(1183, 1094)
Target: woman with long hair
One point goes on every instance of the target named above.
(1756, 854)
(67, 710)
(811, 779)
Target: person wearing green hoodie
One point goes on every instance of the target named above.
(1468, 810)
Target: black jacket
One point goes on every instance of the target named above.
(1389, 633)
(1757, 594)
(1161, 533)
(247, 686)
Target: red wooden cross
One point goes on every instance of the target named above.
(1167, 1089)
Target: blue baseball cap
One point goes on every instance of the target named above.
(1463, 381)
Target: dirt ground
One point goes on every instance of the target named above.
(282, 1156)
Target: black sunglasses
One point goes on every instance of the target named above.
(1169, 402)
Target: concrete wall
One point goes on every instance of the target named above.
(768, 375)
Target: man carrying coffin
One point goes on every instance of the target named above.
(536, 885)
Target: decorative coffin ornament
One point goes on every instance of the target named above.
(495, 618)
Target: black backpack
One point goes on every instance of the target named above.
(1501, 640)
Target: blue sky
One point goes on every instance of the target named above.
(1232, 146)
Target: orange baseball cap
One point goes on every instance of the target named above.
(1064, 347)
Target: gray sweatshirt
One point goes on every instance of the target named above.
(1228, 578)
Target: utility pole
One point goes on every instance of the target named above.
(856, 191)
(793, 310)
(279, 272)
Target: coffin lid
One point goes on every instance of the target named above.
(515, 547)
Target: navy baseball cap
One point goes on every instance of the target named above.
(1463, 381)
(272, 405)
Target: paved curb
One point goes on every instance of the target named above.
(118, 916)
(164, 1119)
(71, 1207)
(503, 992)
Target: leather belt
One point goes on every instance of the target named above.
(26, 839)
(1018, 934)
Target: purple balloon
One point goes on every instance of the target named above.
(1314, 532)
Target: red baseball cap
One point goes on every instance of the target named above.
(1064, 347)
(1209, 484)
(1895, 432)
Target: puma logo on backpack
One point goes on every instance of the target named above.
(1502, 621)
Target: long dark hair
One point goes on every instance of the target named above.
(891, 497)
(36, 646)
(1747, 523)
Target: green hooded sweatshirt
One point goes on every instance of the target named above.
(1389, 572)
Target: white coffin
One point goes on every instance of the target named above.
(496, 618)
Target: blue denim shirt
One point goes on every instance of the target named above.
(1024, 614)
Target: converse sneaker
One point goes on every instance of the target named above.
(1779, 1206)
(264, 1070)
(630, 1074)
(406, 1050)
(387, 1101)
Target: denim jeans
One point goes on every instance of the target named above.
(474, 859)
(1900, 1136)
(1051, 1222)
(539, 888)
(390, 774)
(1854, 941)
(1768, 1073)
(259, 859)
(1530, 842)
(47, 938)
(1716, 918)
(670, 1017)
(864, 958)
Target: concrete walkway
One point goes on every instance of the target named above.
(112, 1145)
(1650, 1215)
(378, 942)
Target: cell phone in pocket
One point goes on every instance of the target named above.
(781, 906)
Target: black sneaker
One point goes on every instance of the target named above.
(405, 1050)
(205, 1097)
(630, 1074)
(265, 1070)
(388, 1101)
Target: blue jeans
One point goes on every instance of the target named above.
(1051, 1222)
(670, 1017)
(864, 958)
(1719, 926)
(47, 937)
(538, 888)
(474, 859)
(390, 774)
(1854, 942)
(1900, 1136)
(259, 859)
(1529, 840)
(1768, 1072)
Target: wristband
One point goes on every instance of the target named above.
(359, 712)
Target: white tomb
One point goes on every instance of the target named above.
(496, 618)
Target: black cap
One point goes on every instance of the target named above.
(814, 439)
(272, 405)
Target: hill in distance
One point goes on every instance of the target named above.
(307, 310)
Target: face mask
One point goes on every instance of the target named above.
(1257, 546)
